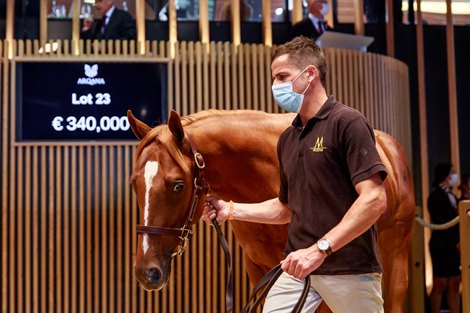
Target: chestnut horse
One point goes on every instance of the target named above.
(239, 150)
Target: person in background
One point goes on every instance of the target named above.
(464, 187)
(246, 11)
(331, 192)
(444, 244)
(314, 24)
(114, 23)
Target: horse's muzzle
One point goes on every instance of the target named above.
(151, 278)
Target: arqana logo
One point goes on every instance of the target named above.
(91, 71)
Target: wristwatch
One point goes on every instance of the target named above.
(324, 246)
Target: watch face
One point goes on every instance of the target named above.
(323, 244)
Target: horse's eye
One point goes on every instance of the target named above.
(179, 187)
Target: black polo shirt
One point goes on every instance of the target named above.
(320, 165)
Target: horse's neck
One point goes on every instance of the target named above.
(237, 131)
(239, 149)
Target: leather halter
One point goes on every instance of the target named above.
(200, 188)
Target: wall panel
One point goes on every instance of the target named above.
(68, 213)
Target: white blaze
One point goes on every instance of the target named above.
(151, 169)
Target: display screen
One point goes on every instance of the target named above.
(87, 100)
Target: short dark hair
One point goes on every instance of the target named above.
(303, 51)
(441, 171)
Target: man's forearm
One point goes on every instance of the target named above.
(364, 213)
(271, 211)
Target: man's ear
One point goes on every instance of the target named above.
(174, 123)
(139, 128)
(313, 73)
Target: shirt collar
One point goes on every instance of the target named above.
(323, 113)
(314, 20)
(108, 14)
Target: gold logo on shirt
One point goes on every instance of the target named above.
(318, 147)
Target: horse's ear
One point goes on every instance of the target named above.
(174, 123)
(139, 128)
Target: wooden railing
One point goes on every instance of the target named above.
(68, 213)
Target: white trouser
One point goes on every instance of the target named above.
(343, 293)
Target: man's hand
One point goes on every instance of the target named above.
(302, 262)
(215, 208)
(87, 22)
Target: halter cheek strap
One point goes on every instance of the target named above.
(200, 188)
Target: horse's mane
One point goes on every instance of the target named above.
(186, 120)
(202, 115)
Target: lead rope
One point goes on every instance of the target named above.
(267, 281)
(228, 260)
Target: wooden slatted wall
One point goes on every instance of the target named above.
(68, 213)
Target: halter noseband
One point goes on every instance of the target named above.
(200, 188)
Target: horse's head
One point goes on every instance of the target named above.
(168, 180)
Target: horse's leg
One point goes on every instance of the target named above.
(394, 255)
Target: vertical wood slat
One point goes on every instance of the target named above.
(28, 212)
(111, 224)
(297, 11)
(423, 145)
(55, 277)
(452, 88)
(43, 243)
(20, 229)
(359, 17)
(199, 256)
(66, 234)
(266, 24)
(205, 76)
(119, 226)
(198, 77)
(464, 213)
(5, 170)
(88, 232)
(35, 230)
(390, 28)
(184, 77)
(104, 231)
(74, 244)
(235, 29)
(191, 78)
(96, 230)
(127, 231)
(226, 64)
(12, 236)
(13, 242)
(241, 74)
(204, 21)
(254, 80)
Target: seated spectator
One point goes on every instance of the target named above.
(114, 23)
(314, 24)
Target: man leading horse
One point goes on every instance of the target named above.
(331, 192)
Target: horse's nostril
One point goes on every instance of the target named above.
(153, 275)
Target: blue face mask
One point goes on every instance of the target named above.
(286, 97)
